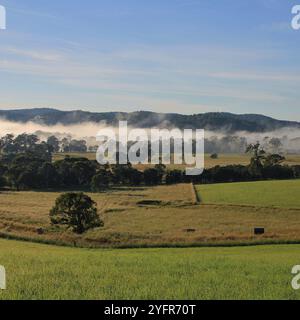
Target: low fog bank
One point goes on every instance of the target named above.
(284, 140)
(88, 129)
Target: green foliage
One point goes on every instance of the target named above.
(76, 210)
(24, 144)
(101, 181)
(152, 176)
(126, 175)
(23, 171)
(76, 172)
(48, 176)
(174, 176)
(257, 159)
(161, 168)
(3, 170)
(54, 143)
(29, 167)
(2, 182)
(264, 165)
(273, 160)
(73, 145)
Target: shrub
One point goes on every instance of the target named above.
(278, 172)
(152, 176)
(174, 176)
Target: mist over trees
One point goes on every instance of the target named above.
(225, 122)
(26, 164)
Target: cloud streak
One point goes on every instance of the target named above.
(36, 55)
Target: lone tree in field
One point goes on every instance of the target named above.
(261, 160)
(76, 210)
(258, 156)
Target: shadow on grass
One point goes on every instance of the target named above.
(76, 244)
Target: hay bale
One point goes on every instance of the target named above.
(259, 231)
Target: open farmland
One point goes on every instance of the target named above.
(223, 159)
(37, 271)
(283, 194)
(164, 216)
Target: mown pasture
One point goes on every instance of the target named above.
(283, 194)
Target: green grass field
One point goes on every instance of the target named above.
(227, 215)
(47, 272)
(163, 216)
(283, 194)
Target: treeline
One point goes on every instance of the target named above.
(214, 144)
(240, 173)
(26, 163)
(26, 172)
(238, 144)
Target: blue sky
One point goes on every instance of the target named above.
(185, 56)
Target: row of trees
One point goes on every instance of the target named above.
(26, 171)
(67, 145)
(24, 143)
(9, 144)
(226, 144)
(29, 171)
(26, 163)
(214, 144)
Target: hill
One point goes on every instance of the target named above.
(226, 122)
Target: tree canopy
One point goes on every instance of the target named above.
(77, 211)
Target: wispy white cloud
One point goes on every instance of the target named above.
(29, 12)
(32, 54)
(169, 78)
(248, 75)
(175, 90)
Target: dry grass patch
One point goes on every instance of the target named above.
(223, 160)
(166, 217)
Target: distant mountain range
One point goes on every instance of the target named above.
(226, 122)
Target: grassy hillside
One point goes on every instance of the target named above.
(47, 272)
(262, 193)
